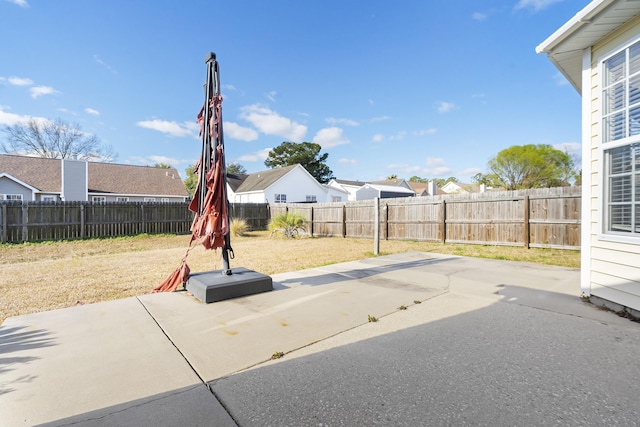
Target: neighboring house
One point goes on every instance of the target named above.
(371, 191)
(39, 179)
(458, 187)
(349, 186)
(398, 182)
(425, 188)
(290, 184)
(598, 51)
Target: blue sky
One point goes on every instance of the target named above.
(412, 87)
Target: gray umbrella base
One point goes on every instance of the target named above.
(212, 286)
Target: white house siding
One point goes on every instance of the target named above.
(8, 186)
(613, 265)
(297, 185)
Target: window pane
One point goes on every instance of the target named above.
(614, 127)
(614, 68)
(620, 218)
(634, 58)
(634, 121)
(620, 189)
(620, 160)
(614, 99)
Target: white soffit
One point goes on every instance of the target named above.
(598, 19)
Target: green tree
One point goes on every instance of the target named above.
(54, 140)
(306, 154)
(392, 177)
(236, 168)
(162, 166)
(416, 178)
(440, 182)
(490, 179)
(191, 181)
(532, 166)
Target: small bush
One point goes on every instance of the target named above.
(238, 227)
(288, 224)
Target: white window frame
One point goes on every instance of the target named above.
(149, 199)
(626, 137)
(335, 199)
(280, 198)
(99, 199)
(13, 197)
(122, 199)
(311, 198)
(48, 198)
(165, 200)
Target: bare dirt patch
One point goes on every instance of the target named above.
(46, 276)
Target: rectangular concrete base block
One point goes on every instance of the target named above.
(212, 286)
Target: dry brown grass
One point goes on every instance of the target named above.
(46, 276)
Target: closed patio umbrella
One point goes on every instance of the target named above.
(209, 203)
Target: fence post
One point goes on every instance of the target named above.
(82, 221)
(376, 226)
(4, 223)
(311, 221)
(443, 222)
(344, 221)
(386, 221)
(25, 223)
(527, 224)
(144, 224)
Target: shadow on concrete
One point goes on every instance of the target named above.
(16, 339)
(189, 406)
(356, 274)
(505, 364)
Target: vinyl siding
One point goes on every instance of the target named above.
(614, 266)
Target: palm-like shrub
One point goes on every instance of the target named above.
(288, 224)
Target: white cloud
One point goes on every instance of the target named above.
(347, 161)
(21, 3)
(479, 16)
(436, 166)
(155, 159)
(445, 107)
(271, 96)
(536, 5)
(92, 111)
(37, 91)
(380, 119)
(560, 79)
(171, 128)
(404, 169)
(104, 64)
(378, 137)
(20, 81)
(228, 87)
(469, 172)
(10, 119)
(398, 136)
(257, 156)
(345, 122)
(330, 137)
(573, 149)
(271, 123)
(241, 133)
(423, 132)
(371, 102)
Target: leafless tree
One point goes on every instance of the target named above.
(54, 140)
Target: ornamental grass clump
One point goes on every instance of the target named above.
(288, 224)
(238, 227)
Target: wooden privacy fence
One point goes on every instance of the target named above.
(38, 221)
(548, 218)
(543, 218)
